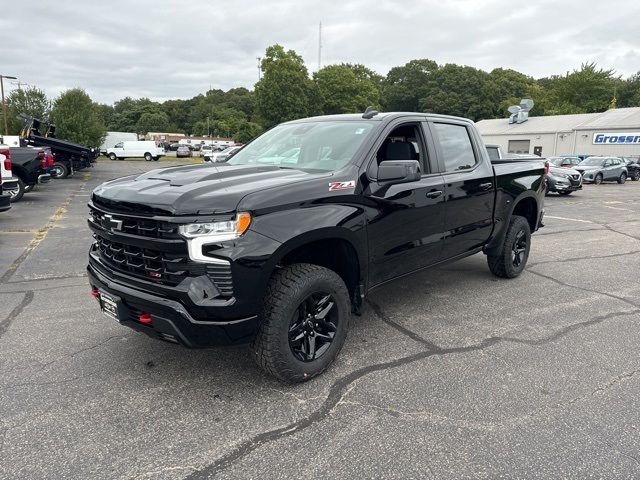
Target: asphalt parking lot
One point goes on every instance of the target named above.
(450, 373)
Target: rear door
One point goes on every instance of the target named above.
(405, 221)
(468, 186)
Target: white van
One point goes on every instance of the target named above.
(113, 138)
(146, 149)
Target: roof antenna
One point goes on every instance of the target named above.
(369, 113)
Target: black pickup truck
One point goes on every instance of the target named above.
(30, 166)
(277, 247)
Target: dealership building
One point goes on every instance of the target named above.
(614, 132)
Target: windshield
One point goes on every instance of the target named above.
(326, 146)
(593, 161)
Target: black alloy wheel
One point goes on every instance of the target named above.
(519, 248)
(313, 327)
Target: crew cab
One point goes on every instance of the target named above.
(279, 250)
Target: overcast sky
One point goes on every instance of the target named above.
(160, 49)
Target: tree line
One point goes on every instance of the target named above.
(287, 91)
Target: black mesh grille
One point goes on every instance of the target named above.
(137, 226)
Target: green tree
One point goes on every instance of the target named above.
(404, 87)
(458, 90)
(152, 122)
(628, 93)
(587, 90)
(245, 131)
(76, 118)
(106, 113)
(30, 101)
(347, 88)
(284, 91)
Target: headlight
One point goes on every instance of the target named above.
(216, 230)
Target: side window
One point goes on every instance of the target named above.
(456, 146)
(118, 145)
(403, 143)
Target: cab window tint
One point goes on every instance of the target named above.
(456, 146)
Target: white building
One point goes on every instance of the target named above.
(614, 132)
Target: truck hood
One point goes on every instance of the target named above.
(196, 189)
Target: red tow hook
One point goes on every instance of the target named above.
(95, 293)
(145, 318)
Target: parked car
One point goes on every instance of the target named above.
(146, 149)
(633, 168)
(173, 146)
(30, 166)
(565, 161)
(599, 169)
(6, 179)
(223, 156)
(563, 180)
(281, 256)
(183, 151)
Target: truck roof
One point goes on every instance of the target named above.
(379, 117)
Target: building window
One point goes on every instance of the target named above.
(519, 146)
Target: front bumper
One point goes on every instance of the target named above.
(170, 319)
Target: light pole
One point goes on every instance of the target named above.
(4, 106)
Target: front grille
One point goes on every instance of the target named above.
(137, 226)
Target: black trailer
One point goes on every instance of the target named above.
(68, 156)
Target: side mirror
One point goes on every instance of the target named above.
(399, 171)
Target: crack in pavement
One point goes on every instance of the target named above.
(577, 259)
(40, 289)
(611, 229)
(341, 387)
(26, 300)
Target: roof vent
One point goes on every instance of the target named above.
(369, 113)
(520, 113)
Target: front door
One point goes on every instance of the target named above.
(405, 221)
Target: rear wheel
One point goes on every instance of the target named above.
(513, 256)
(60, 170)
(304, 322)
(16, 193)
(148, 157)
(598, 179)
(623, 178)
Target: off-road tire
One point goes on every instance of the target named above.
(287, 289)
(60, 170)
(18, 193)
(501, 265)
(622, 179)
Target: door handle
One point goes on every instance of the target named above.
(486, 186)
(434, 193)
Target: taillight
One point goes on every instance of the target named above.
(546, 167)
(50, 160)
(43, 159)
(7, 158)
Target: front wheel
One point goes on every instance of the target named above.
(60, 170)
(622, 179)
(513, 256)
(304, 322)
(16, 193)
(598, 179)
(113, 156)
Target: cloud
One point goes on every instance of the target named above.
(162, 49)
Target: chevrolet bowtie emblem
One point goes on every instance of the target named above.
(111, 223)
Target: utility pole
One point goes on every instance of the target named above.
(4, 105)
(319, 45)
(259, 67)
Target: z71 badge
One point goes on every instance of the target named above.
(333, 186)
